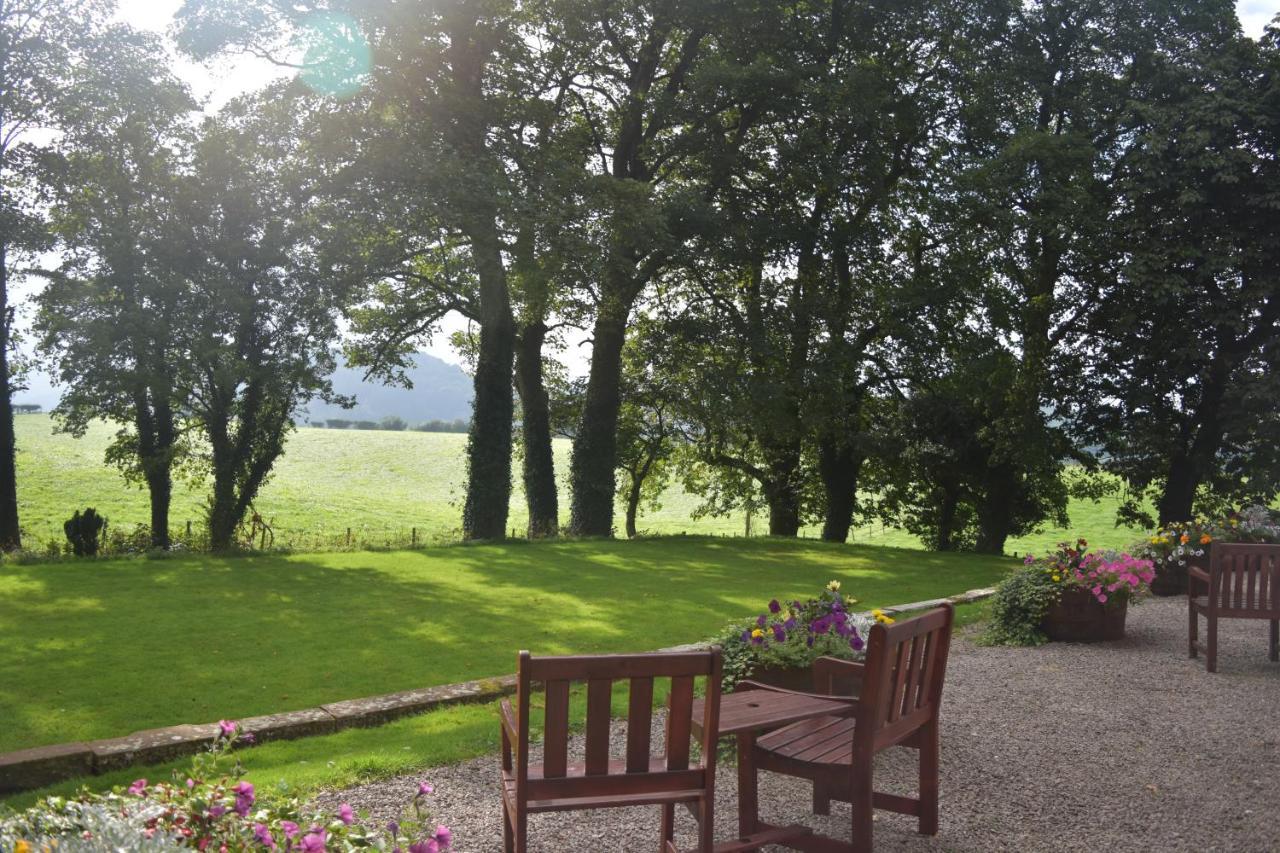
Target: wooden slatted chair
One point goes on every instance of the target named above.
(643, 778)
(1243, 582)
(897, 704)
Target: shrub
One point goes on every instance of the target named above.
(1023, 598)
(208, 808)
(795, 636)
(337, 423)
(394, 423)
(365, 424)
(85, 532)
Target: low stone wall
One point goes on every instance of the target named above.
(45, 765)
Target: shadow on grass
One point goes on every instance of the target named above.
(105, 648)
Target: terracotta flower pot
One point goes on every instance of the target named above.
(1078, 617)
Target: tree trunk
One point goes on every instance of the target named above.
(784, 510)
(633, 505)
(947, 520)
(535, 424)
(222, 511)
(10, 531)
(839, 466)
(994, 512)
(595, 448)
(160, 488)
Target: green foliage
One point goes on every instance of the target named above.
(1020, 602)
(85, 532)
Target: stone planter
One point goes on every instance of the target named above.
(1078, 617)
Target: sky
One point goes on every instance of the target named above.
(224, 79)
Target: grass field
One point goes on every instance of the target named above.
(381, 484)
(102, 649)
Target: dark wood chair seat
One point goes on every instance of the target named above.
(666, 779)
(1241, 582)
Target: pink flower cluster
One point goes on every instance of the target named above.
(1104, 578)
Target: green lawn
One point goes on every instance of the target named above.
(92, 650)
(381, 484)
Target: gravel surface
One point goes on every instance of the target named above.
(1126, 746)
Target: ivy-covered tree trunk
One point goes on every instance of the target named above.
(157, 435)
(839, 465)
(595, 448)
(947, 519)
(10, 531)
(484, 514)
(633, 505)
(783, 499)
(995, 510)
(535, 426)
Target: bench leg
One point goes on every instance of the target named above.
(707, 825)
(1193, 630)
(860, 800)
(1211, 653)
(821, 799)
(748, 797)
(929, 749)
(668, 829)
(1275, 639)
(508, 837)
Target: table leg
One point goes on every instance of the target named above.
(748, 801)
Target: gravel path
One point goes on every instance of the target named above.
(1113, 747)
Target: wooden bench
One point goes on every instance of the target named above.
(1242, 582)
(642, 778)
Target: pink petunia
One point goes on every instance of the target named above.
(138, 787)
(346, 815)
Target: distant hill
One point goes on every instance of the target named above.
(441, 391)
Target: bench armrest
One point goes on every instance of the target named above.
(509, 727)
(1197, 573)
(748, 684)
(826, 670)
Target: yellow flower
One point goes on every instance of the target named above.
(849, 601)
(757, 633)
(1234, 522)
(877, 613)
(22, 847)
(1057, 578)
(834, 586)
(1206, 539)
(885, 620)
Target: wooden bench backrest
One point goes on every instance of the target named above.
(1244, 577)
(555, 674)
(902, 685)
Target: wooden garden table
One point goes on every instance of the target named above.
(746, 715)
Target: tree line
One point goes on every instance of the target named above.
(940, 264)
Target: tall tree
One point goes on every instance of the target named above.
(1188, 342)
(262, 315)
(39, 43)
(110, 316)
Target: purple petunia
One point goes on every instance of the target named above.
(313, 842)
(444, 835)
(425, 788)
(346, 815)
(779, 635)
(263, 835)
(775, 607)
(290, 828)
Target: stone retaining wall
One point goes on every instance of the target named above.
(45, 765)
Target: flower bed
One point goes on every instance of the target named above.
(1173, 548)
(780, 645)
(1096, 585)
(210, 808)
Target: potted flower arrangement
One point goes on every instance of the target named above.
(779, 646)
(1071, 595)
(1176, 546)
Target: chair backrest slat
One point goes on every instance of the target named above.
(555, 741)
(599, 711)
(679, 722)
(902, 686)
(639, 724)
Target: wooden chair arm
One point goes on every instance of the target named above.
(1198, 574)
(826, 670)
(509, 727)
(748, 684)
